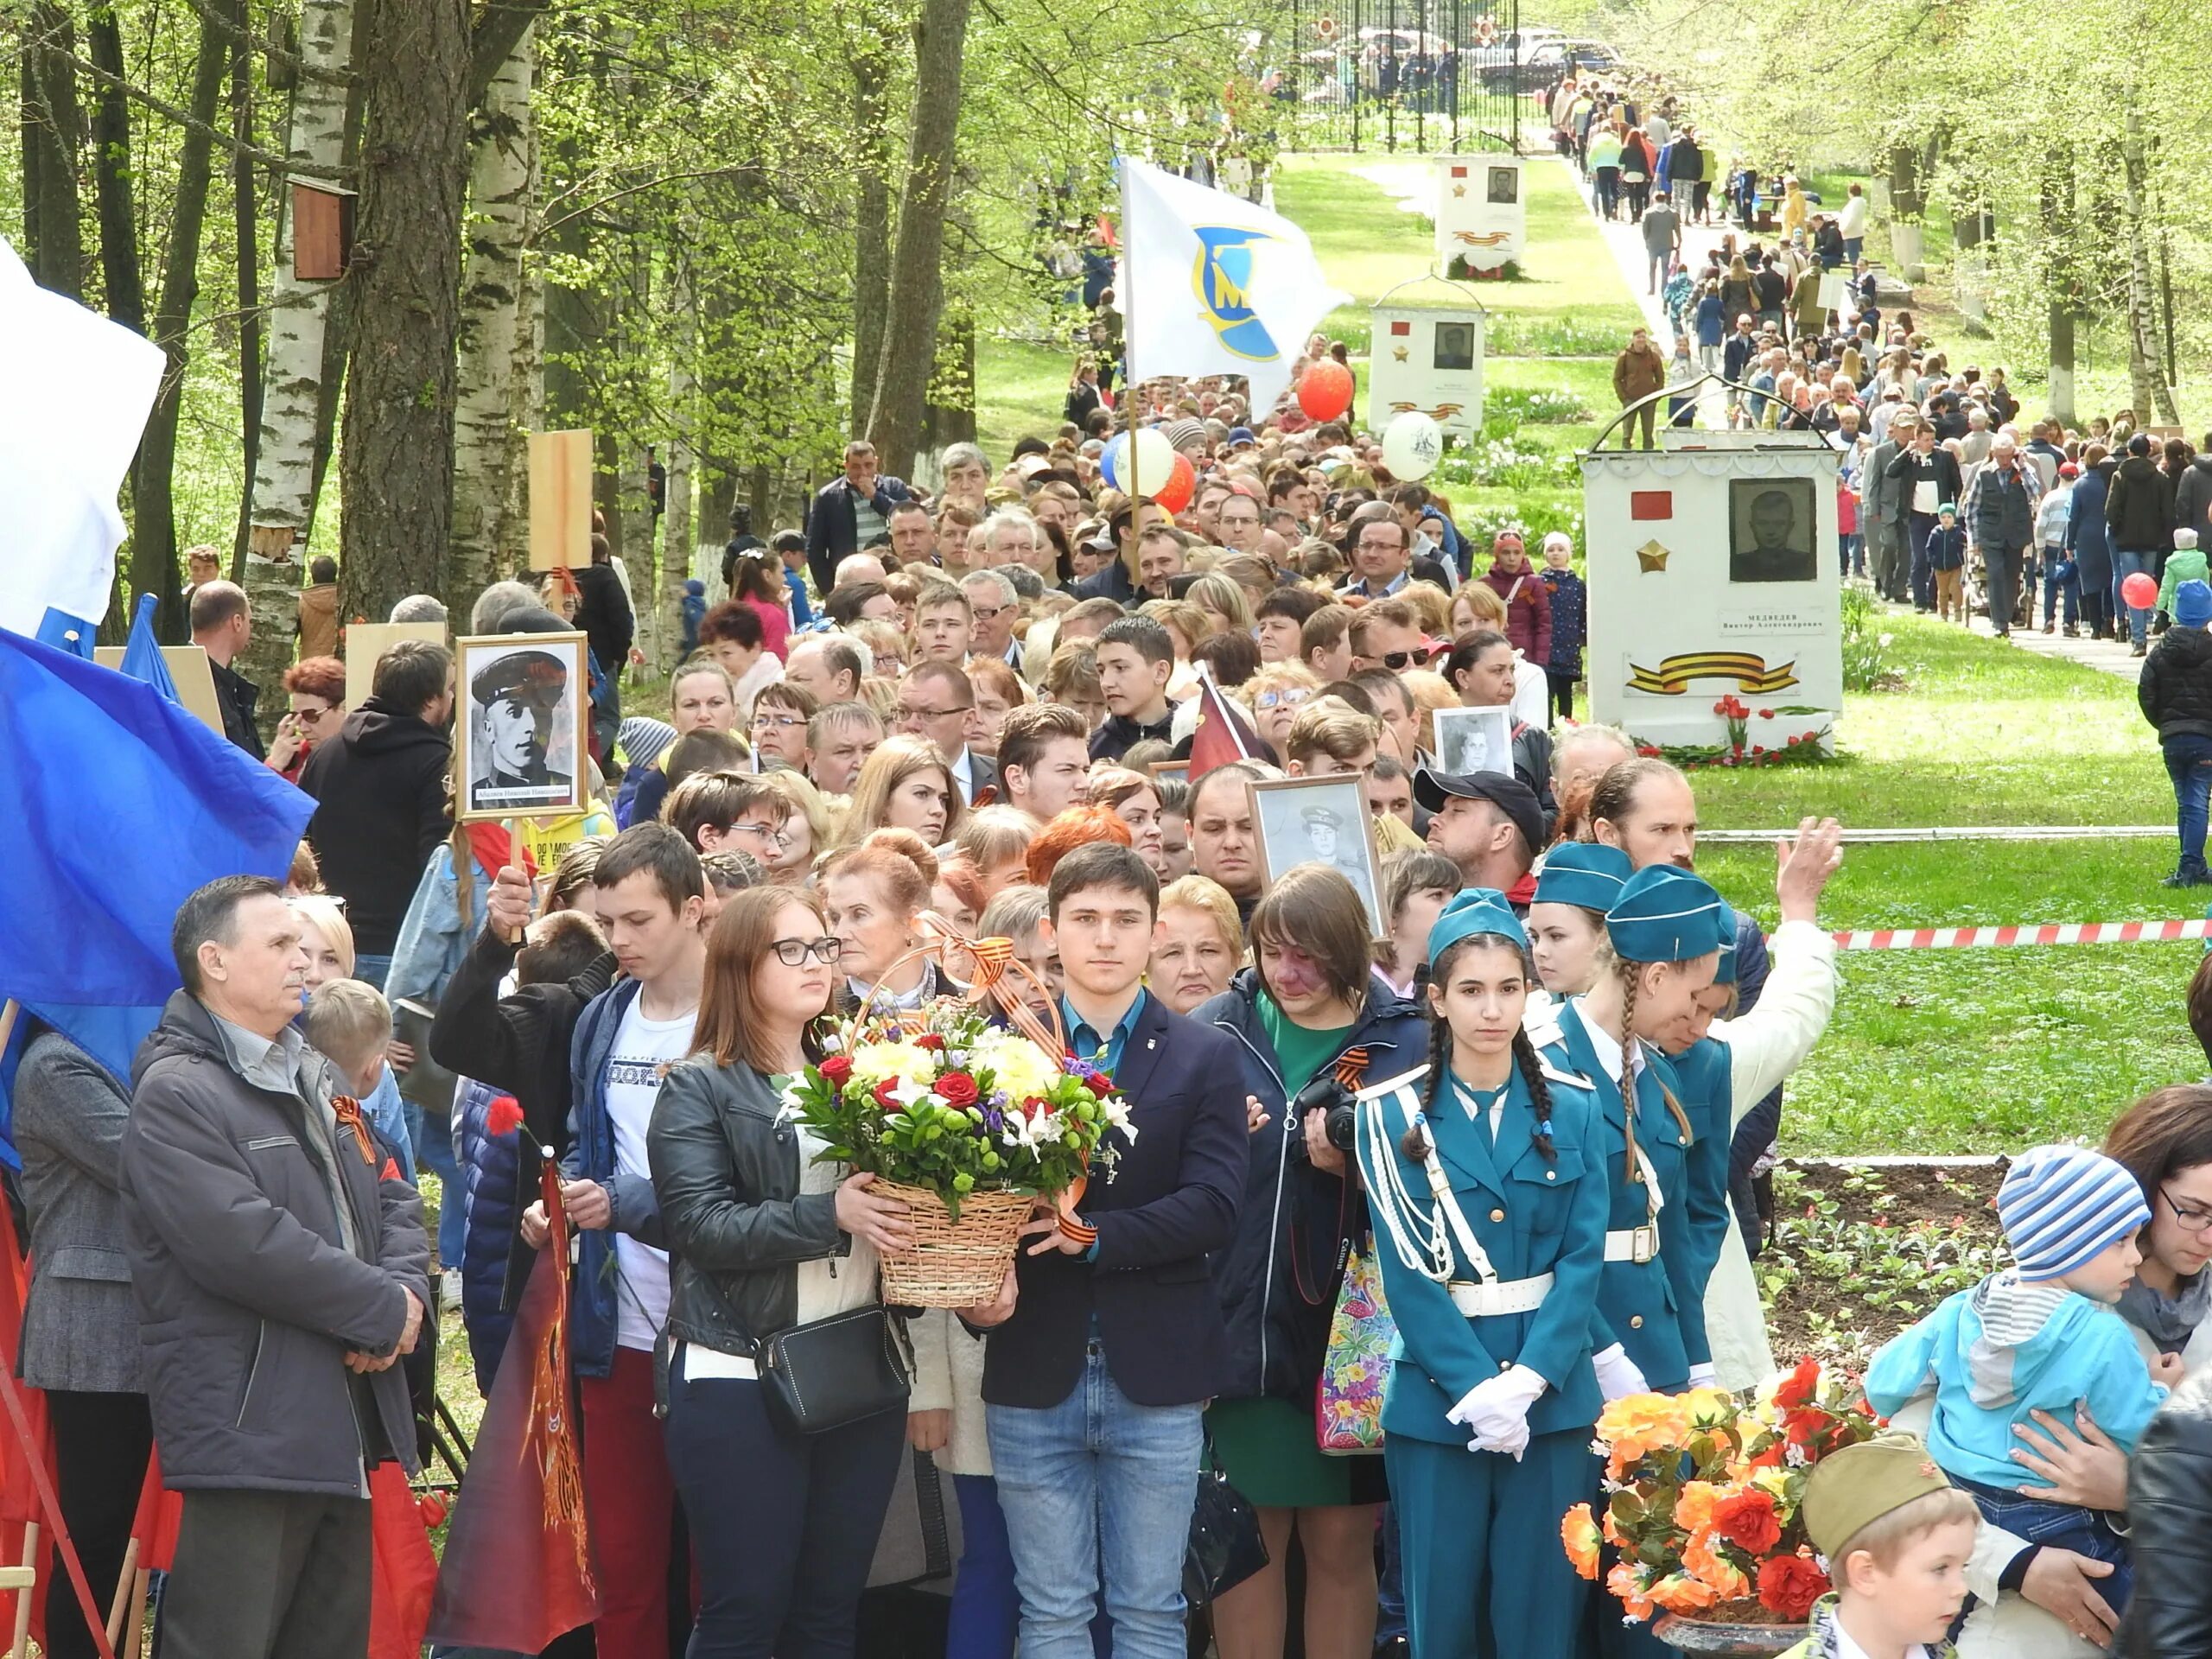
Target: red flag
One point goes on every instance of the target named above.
(517, 1569)
(1222, 735)
(19, 1504)
(405, 1570)
(155, 1526)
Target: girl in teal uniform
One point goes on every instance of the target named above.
(1483, 1179)
(1707, 1090)
(1579, 882)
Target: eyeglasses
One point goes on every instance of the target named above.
(2190, 1221)
(793, 952)
(991, 613)
(1289, 699)
(907, 712)
(778, 723)
(1397, 661)
(768, 835)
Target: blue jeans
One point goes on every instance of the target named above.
(2060, 578)
(372, 970)
(2189, 763)
(986, 1611)
(1097, 1482)
(1919, 526)
(1851, 548)
(433, 1139)
(2067, 1526)
(2125, 561)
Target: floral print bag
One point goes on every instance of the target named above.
(1348, 1401)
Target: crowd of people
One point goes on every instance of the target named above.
(972, 708)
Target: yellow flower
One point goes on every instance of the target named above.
(1580, 1533)
(1019, 1065)
(872, 1062)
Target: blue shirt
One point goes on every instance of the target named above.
(1089, 1045)
(802, 612)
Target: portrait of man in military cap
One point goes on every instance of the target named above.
(521, 736)
(1320, 821)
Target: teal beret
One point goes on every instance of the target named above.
(1726, 973)
(1665, 914)
(1474, 910)
(1586, 873)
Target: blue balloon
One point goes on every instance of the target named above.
(1110, 464)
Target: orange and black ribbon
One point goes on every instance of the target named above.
(348, 1113)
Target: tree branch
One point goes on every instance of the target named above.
(230, 141)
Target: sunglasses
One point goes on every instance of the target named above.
(1397, 661)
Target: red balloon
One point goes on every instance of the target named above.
(1326, 390)
(2140, 590)
(1182, 483)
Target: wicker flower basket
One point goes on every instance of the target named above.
(953, 1263)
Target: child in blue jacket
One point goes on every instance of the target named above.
(1947, 557)
(2040, 1336)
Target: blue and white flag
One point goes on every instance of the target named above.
(1215, 284)
(77, 389)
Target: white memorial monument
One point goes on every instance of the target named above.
(1482, 217)
(1713, 568)
(1427, 355)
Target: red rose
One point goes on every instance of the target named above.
(1033, 1105)
(432, 1506)
(1798, 1388)
(1747, 1518)
(1789, 1585)
(930, 1039)
(1099, 1084)
(885, 1098)
(835, 1069)
(958, 1089)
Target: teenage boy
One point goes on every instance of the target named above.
(650, 893)
(1896, 1536)
(1135, 657)
(1095, 1386)
(1045, 759)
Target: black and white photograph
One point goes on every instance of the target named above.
(1505, 185)
(1773, 530)
(520, 735)
(1321, 821)
(1455, 346)
(1473, 739)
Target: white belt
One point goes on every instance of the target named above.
(1497, 1296)
(702, 1363)
(1633, 1244)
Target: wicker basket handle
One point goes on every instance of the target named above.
(993, 961)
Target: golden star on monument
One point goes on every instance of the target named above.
(1399, 354)
(1459, 189)
(1649, 557)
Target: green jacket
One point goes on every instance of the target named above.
(2183, 564)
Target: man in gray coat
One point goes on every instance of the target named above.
(281, 1269)
(1881, 508)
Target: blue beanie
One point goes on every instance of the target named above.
(2193, 604)
(2060, 1205)
(1474, 910)
(1585, 874)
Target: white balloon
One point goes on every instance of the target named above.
(1155, 460)
(1411, 445)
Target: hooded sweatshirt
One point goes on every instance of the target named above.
(1995, 1353)
(380, 812)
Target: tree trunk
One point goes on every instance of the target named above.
(502, 137)
(153, 539)
(2056, 203)
(678, 540)
(246, 230)
(2146, 372)
(871, 221)
(396, 459)
(54, 126)
(287, 473)
(902, 375)
(112, 178)
(951, 415)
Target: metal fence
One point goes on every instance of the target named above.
(1425, 76)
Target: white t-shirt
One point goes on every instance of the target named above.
(643, 1051)
(832, 1284)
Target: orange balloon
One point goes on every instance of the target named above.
(1326, 390)
(1182, 483)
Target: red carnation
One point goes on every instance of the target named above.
(1789, 1585)
(958, 1089)
(431, 1506)
(1800, 1386)
(1747, 1518)
(503, 1116)
(835, 1069)
(930, 1039)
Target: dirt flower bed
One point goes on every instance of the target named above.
(1856, 1254)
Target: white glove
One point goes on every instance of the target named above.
(1618, 1376)
(1703, 1376)
(1496, 1410)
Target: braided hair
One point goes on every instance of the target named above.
(1631, 975)
(1540, 1093)
(1439, 1053)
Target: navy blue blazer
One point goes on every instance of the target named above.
(1171, 1201)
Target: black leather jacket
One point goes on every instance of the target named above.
(2170, 1527)
(725, 1168)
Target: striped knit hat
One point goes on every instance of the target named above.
(2060, 1205)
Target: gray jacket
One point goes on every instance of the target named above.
(80, 1328)
(252, 1288)
(1883, 498)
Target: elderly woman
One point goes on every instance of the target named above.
(1277, 692)
(806, 832)
(874, 893)
(1199, 945)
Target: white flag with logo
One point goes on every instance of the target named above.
(1214, 285)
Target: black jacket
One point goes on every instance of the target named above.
(1118, 734)
(1911, 468)
(249, 1297)
(2193, 499)
(518, 1043)
(2170, 1530)
(1145, 1296)
(2002, 513)
(831, 529)
(725, 1164)
(237, 697)
(380, 812)
(603, 612)
(2176, 689)
(2140, 508)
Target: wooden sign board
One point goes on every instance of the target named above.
(363, 643)
(195, 681)
(560, 501)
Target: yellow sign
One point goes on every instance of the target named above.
(1673, 676)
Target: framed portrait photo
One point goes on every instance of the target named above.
(1321, 821)
(1174, 771)
(521, 751)
(1773, 530)
(1473, 739)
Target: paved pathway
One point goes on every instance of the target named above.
(2106, 656)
